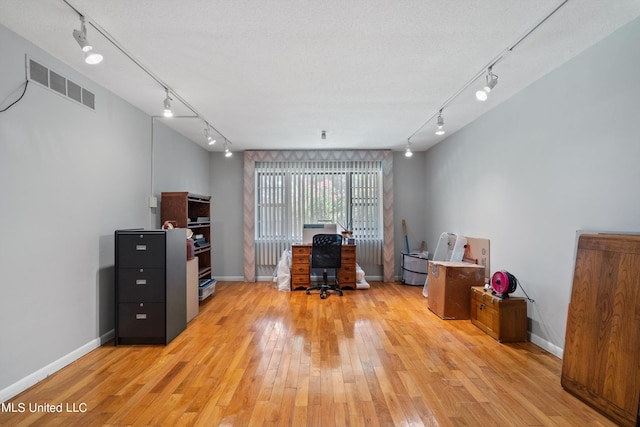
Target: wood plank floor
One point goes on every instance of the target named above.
(255, 356)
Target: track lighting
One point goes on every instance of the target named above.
(90, 56)
(207, 134)
(227, 152)
(167, 105)
(440, 130)
(492, 81)
(408, 152)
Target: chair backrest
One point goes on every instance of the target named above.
(326, 251)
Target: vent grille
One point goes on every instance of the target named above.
(58, 83)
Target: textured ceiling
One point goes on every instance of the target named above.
(274, 74)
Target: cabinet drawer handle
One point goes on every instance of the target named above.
(481, 306)
(141, 282)
(141, 247)
(141, 316)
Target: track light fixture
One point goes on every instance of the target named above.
(90, 56)
(492, 81)
(167, 105)
(227, 152)
(440, 130)
(207, 134)
(408, 152)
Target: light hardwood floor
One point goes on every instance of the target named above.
(257, 356)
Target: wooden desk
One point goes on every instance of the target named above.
(301, 266)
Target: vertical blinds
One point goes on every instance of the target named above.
(291, 194)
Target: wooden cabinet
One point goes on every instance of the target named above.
(601, 360)
(449, 284)
(300, 266)
(191, 211)
(347, 270)
(150, 286)
(301, 269)
(504, 319)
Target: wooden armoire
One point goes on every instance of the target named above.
(601, 361)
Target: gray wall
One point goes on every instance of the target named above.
(227, 189)
(409, 200)
(71, 176)
(178, 165)
(560, 156)
(227, 212)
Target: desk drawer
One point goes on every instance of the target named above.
(300, 268)
(300, 260)
(348, 259)
(300, 279)
(348, 249)
(346, 277)
(300, 250)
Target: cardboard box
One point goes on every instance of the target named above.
(450, 286)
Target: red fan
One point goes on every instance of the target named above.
(503, 283)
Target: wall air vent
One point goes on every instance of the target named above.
(61, 85)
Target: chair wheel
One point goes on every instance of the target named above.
(323, 295)
(308, 293)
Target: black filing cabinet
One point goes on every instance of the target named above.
(151, 274)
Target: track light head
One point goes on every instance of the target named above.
(408, 152)
(167, 106)
(207, 134)
(440, 130)
(492, 81)
(91, 57)
(81, 38)
(227, 152)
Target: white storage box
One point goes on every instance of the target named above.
(205, 288)
(415, 267)
(450, 247)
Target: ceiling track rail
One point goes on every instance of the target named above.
(146, 70)
(489, 65)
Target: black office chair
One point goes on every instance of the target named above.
(326, 252)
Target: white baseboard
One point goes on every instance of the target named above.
(238, 278)
(546, 345)
(53, 367)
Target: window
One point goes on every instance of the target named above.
(291, 194)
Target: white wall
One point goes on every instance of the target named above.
(70, 177)
(560, 156)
